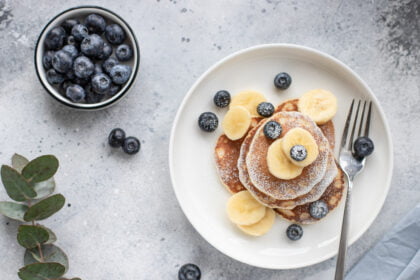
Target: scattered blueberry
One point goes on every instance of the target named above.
(71, 50)
(114, 34)
(131, 145)
(265, 109)
(62, 61)
(108, 64)
(75, 93)
(106, 52)
(54, 78)
(189, 272)
(98, 68)
(47, 59)
(120, 74)
(83, 67)
(294, 232)
(272, 130)
(54, 39)
(298, 152)
(69, 23)
(363, 146)
(92, 45)
(318, 209)
(114, 89)
(95, 23)
(101, 83)
(124, 52)
(222, 98)
(79, 32)
(116, 137)
(208, 121)
(282, 80)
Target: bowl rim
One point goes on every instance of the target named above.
(93, 106)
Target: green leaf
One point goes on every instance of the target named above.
(13, 210)
(45, 208)
(41, 271)
(31, 236)
(52, 237)
(41, 168)
(15, 184)
(44, 188)
(51, 253)
(19, 162)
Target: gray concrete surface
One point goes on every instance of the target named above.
(122, 220)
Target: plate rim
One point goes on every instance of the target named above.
(295, 47)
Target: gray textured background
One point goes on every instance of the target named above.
(123, 221)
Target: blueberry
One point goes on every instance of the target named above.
(83, 67)
(189, 272)
(92, 97)
(81, 81)
(79, 32)
(208, 121)
(318, 209)
(70, 74)
(120, 74)
(131, 145)
(272, 130)
(114, 89)
(221, 98)
(282, 80)
(124, 52)
(116, 137)
(265, 109)
(62, 61)
(108, 64)
(92, 45)
(298, 152)
(95, 23)
(98, 68)
(106, 52)
(101, 83)
(294, 232)
(54, 78)
(75, 93)
(71, 50)
(47, 59)
(65, 85)
(363, 146)
(114, 34)
(54, 39)
(69, 23)
(72, 41)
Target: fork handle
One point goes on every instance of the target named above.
(341, 258)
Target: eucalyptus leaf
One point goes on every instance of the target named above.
(41, 271)
(19, 162)
(45, 208)
(31, 236)
(51, 253)
(52, 237)
(44, 188)
(41, 168)
(13, 210)
(15, 184)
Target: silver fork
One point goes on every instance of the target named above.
(351, 167)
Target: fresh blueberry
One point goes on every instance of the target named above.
(92, 45)
(83, 67)
(71, 50)
(108, 64)
(101, 83)
(298, 152)
(272, 130)
(114, 34)
(114, 89)
(294, 232)
(131, 145)
(282, 80)
(189, 272)
(68, 24)
(81, 81)
(120, 74)
(91, 96)
(208, 121)
(116, 137)
(98, 68)
(95, 23)
(72, 41)
(65, 85)
(47, 59)
(363, 146)
(124, 52)
(75, 93)
(79, 32)
(221, 98)
(54, 78)
(265, 109)
(318, 209)
(106, 52)
(62, 61)
(55, 38)
(70, 75)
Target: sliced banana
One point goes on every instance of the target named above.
(261, 227)
(279, 164)
(300, 136)
(243, 209)
(249, 100)
(236, 122)
(319, 104)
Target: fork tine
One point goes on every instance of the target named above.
(346, 127)
(367, 126)
(354, 126)
(361, 120)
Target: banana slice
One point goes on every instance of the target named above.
(249, 100)
(236, 122)
(300, 136)
(279, 164)
(319, 104)
(243, 209)
(261, 227)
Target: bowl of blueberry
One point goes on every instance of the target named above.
(87, 57)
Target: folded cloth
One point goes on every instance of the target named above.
(396, 256)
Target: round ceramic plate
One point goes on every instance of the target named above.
(197, 186)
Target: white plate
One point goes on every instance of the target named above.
(203, 198)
